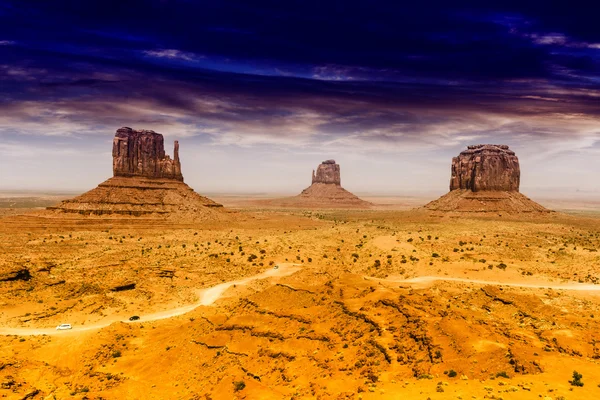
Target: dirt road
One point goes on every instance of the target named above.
(549, 285)
(206, 297)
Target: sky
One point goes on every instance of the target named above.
(258, 93)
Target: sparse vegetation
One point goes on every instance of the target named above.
(576, 381)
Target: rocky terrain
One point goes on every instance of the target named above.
(146, 182)
(353, 321)
(324, 192)
(485, 178)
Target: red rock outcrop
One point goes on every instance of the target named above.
(146, 182)
(142, 153)
(485, 179)
(327, 172)
(324, 192)
(486, 167)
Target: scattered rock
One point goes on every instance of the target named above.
(123, 287)
(17, 274)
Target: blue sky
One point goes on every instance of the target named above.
(258, 93)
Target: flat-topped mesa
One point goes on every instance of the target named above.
(142, 153)
(327, 172)
(486, 167)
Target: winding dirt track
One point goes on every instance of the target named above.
(206, 298)
(565, 286)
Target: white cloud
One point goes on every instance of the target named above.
(332, 73)
(173, 54)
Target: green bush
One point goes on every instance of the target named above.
(576, 379)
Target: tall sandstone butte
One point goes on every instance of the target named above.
(145, 182)
(486, 167)
(325, 191)
(485, 178)
(142, 153)
(327, 172)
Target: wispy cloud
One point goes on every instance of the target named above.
(332, 73)
(173, 54)
(7, 42)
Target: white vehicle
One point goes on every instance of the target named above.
(63, 327)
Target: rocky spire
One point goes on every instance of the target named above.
(142, 153)
(486, 167)
(327, 172)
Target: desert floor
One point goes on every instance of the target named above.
(380, 304)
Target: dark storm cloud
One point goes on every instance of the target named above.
(299, 72)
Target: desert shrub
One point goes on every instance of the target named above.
(501, 266)
(435, 255)
(452, 373)
(240, 385)
(502, 374)
(576, 379)
(116, 354)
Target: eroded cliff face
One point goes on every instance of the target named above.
(486, 167)
(327, 172)
(142, 153)
(146, 183)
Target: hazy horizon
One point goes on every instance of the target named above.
(259, 94)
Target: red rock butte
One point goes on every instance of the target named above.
(325, 191)
(485, 178)
(142, 153)
(146, 182)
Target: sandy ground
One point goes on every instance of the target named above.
(381, 304)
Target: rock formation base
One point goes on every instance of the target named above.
(462, 200)
(139, 196)
(321, 195)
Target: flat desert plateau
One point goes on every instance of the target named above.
(271, 303)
